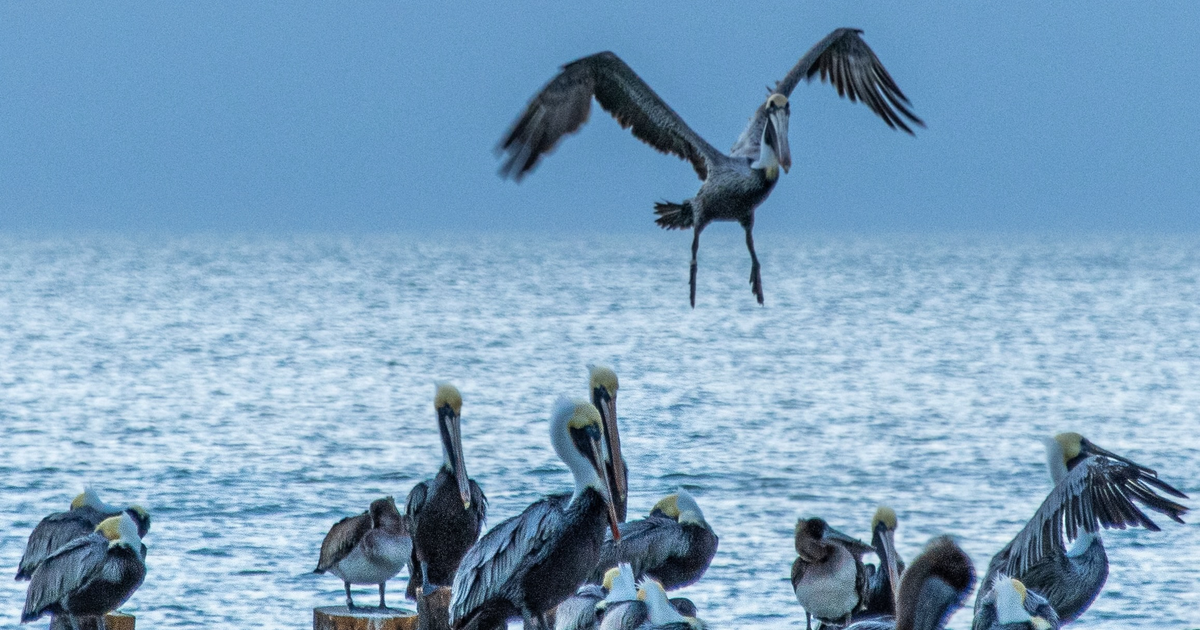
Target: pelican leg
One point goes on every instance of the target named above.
(349, 600)
(381, 603)
(695, 247)
(427, 589)
(755, 277)
(807, 621)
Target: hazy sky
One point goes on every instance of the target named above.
(360, 116)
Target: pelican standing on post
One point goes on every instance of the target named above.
(370, 548)
(1093, 488)
(56, 530)
(602, 383)
(446, 513)
(733, 185)
(528, 564)
(674, 545)
(89, 576)
(828, 576)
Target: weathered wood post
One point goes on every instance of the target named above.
(112, 621)
(433, 612)
(363, 618)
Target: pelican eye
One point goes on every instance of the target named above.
(583, 438)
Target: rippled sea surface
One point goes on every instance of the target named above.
(252, 391)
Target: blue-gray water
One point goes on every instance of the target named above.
(250, 392)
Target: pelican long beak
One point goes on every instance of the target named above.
(612, 438)
(598, 464)
(889, 548)
(778, 138)
(452, 440)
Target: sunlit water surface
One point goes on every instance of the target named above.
(252, 391)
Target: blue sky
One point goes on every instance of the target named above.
(382, 117)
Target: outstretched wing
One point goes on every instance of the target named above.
(563, 106)
(1099, 492)
(844, 60)
(492, 561)
(341, 539)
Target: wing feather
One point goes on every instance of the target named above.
(341, 539)
(563, 105)
(63, 572)
(644, 544)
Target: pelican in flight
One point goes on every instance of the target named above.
(528, 564)
(56, 530)
(602, 382)
(446, 513)
(734, 184)
(370, 548)
(932, 589)
(1093, 488)
(89, 576)
(1009, 605)
(883, 582)
(674, 545)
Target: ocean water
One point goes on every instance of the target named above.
(252, 391)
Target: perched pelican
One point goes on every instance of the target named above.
(528, 564)
(935, 586)
(446, 513)
(582, 610)
(370, 548)
(661, 615)
(674, 545)
(89, 576)
(1093, 488)
(621, 608)
(1008, 605)
(828, 575)
(602, 382)
(56, 530)
(883, 582)
(735, 184)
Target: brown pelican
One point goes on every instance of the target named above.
(883, 581)
(674, 545)
(602, 382)
(583, 610)
(735, 184)
(370, 548)
(661, 615)
(446, 513)
(1093, 488)
(1009, 605)
(935, 586)
(56, 530)
(828, 575)
(528, 564)
(89, 576)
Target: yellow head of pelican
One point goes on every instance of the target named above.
(884, 515)
(575, 432)
(1071, 444)
(447, 396)
(120, 530)
(1010, 596)
(602, 384)
(448, 404)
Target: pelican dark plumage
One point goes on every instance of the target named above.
(56, 530)
(579, 612)
(89, 576)
(370, 548)
(828, 576)
(602, 383)
(734, 184)
(1010, 605)
(528, 564)
(1093, 489)
(446, 513)
(883, 581)
(674, 545)
(935, 586)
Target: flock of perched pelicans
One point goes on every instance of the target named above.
(571, 561)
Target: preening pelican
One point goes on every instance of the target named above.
(56, 530)
(1093, 488)
(89, 576)
(621, 608)
(602, 383)
(528, 564)
(370, 548)
(735, 184)
(828, 576)
(883, 582)
(446, 513)
(1009, 605)
(674, 545)
(661, 615)
(935, 586)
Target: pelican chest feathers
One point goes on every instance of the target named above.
(89, 576)
(370, 548)
(733, 184)
(828, 575)
(56, 530)
(528, 564)
(674, 545)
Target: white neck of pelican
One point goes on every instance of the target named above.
(1055, 461)
(623, 588)
(1010, 603)
(660, 610)
(560, 437)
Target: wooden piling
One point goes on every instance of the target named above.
(112, 621)
(433, 611)
(363, 618)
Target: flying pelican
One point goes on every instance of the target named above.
(446, 513)
(674, 545)
(528, 564)
(1093, 488)
(661, 615)
(828, 576)
(935, 586)
(56, 530)
(89, 576)
(370, 548)
(883, 582)
(1009, 605)
(602, 382)
(735, 184)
